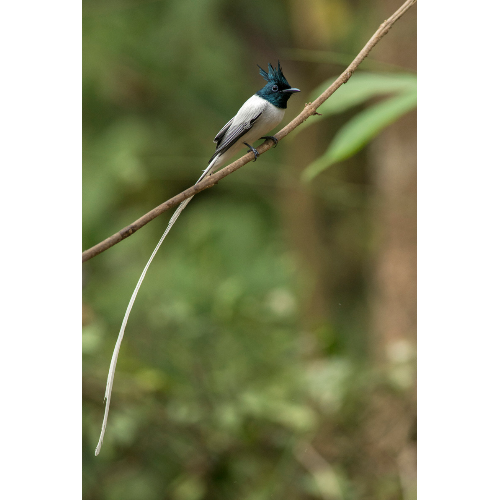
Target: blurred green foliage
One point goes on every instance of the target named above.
(365, 125)
(226, 380)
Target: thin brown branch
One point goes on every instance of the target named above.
(309, 110)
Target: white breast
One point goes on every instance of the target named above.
(271, 116)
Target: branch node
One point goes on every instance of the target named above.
(307, 104)
(126, 231)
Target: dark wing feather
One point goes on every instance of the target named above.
(222, 131)
(232, 135)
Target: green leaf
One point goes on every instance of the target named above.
(360, 88)
(360, 130)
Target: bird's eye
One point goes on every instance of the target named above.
(275, 88)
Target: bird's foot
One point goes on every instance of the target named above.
(253, 150)
(272, 138)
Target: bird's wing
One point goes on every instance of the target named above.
(234, 133)
(222, 131)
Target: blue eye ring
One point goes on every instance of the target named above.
(275, 88)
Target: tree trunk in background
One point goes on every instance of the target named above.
(383, 447)
(393, 163)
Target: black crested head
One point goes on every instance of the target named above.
(277, 91)
(274, 75)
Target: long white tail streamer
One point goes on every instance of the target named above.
(114, 359)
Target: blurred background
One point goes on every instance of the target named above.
(271, 349)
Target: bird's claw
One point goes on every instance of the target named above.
(252, 150)
(272, 138)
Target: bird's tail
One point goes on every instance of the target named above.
(114, 359)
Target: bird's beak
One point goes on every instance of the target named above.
(290, 91)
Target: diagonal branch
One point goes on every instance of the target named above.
(309, 110)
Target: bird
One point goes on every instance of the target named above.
(259, 115)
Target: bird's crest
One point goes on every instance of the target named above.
(274, 75)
